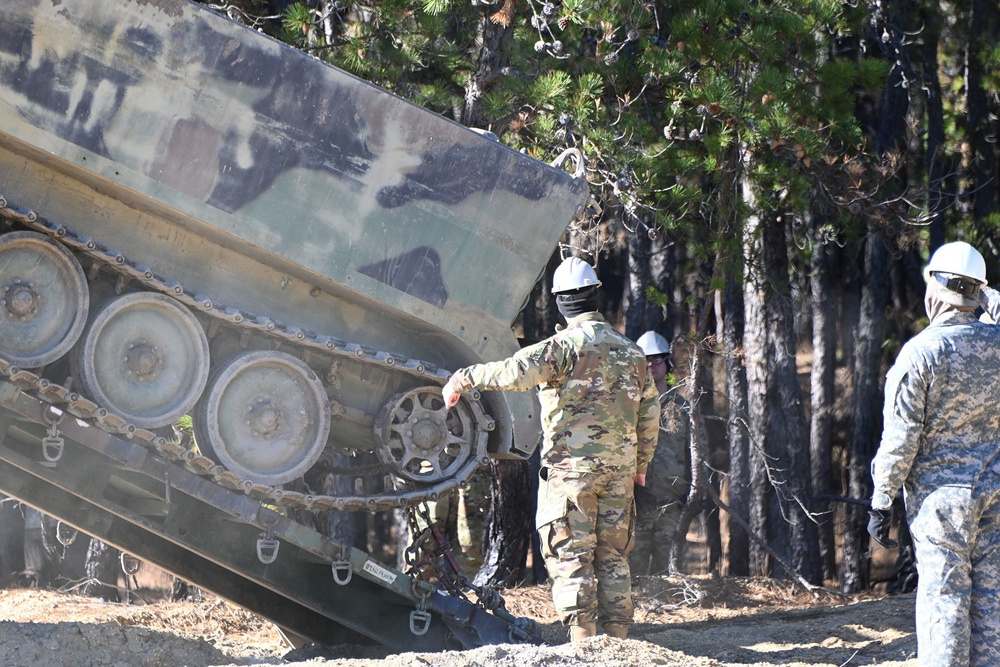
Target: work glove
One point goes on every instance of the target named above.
(646, 504)
(878, 527)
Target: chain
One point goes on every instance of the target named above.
(430, 553)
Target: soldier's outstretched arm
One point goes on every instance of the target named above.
(525, 370)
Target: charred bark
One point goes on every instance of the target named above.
(102, 571)
(509, 532)
(981, 116)
(636, 304)
(11, 538)
(935, 157)
(698, 496)
(762, 505)
(780, 468)
(823, 396)
(736, 426)
(867, 415)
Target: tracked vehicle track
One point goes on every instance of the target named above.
(406, 487)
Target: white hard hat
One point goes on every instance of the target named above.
(652, 343)
(573, 274)
(959, 259)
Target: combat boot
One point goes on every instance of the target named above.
(616, 630)
(582, 631)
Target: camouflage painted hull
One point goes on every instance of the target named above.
(247, 217)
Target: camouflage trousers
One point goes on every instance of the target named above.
(956, 537)
(654, 535)
(585, 528)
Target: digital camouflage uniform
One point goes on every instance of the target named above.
(599, 423)
(666, 478)
(940, 443)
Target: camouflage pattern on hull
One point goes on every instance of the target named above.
(211, 153)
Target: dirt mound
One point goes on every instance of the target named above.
(692, 620)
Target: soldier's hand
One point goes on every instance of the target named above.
(878, 527)
(640, 480)
(450, 396)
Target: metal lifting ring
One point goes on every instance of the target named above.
(129, 563)
(63, 540)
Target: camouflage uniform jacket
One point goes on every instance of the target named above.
(940, 413)
(667, 474)
(599, 408)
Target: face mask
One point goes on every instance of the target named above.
(574, 305)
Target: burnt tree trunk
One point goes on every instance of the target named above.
(982, 113)
(780, 451)
(102, 571)
(698, 496)
(762, 506)
(347, 528)
(636, 304)
(937, 203)
(863, 441)
(736, 428)
(823, 394)
(509, 533)
(11, 538)
(792, 440)
(867, 403)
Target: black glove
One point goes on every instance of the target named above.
(646, 504)
(878, 527)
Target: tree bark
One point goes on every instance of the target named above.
(102, 571)
(492, 59)
(509, 530)
(792, 441)
(762, 505)
(867, 415)
(636, 303)
(11, 537)
(983, 126)
(736, 427)
(935, 157)
(347, 528)
(822, 390)
(780, 470)
(698, 494)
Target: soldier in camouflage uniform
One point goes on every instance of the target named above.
(666, 477)
(941, 442)
(599, 422)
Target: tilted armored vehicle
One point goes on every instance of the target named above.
(200, 220)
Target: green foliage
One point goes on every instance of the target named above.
(436, 6)
(872, 74)
(990, 58)
(297, 21)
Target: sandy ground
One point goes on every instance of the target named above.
(691, 620)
